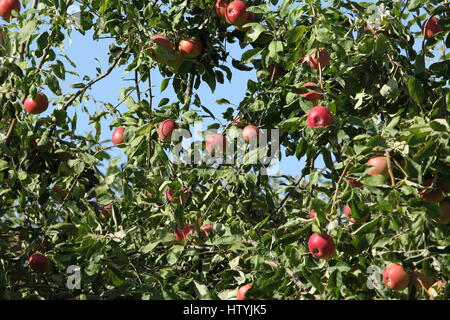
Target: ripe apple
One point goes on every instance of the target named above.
(36, 105)
(236, 13)
(380, 165)
(190, 48)
(220, 8)
(311, 95)
(348, 215)
(319, 116)
(249, 19)
(166, 128)
(250, 132)
(7, 7)
(395, 277)
(312, 214)
(182, 198)
(445, 212)
(321, 246)
(117, 136)
(319, 57)
(39, 262)
(241, 292)
(434, 195)
(276, 71)
(215, 143)
(431, 27)
(161, 42)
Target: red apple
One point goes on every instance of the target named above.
(321, 246)
(320, 56)
(60, 190)
(434, 195)
(348, 215)
(166, 128)
(311, 95)
(312, 214)
(170, 195)
(36, 105)
(431, 27)
(215, 143)
(190, 48)
(117, 135)
(236, 13)
(220, 8)
(249, 19)
(7, 7)
(241, 292)
(380, 165)
(162, 42)
(276, 71)
(39, 262)
(319, 116)
(395, 277)
(250, 132)
(445, 212)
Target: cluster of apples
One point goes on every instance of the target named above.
(188, 230)
(187, 49)
(235, 13)
(431, 27)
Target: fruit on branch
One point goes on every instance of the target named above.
(348, 215)
(249, 19)
(380, 165)
(117, 135)
(312, 214)
(395, 277)
(166, 128)
(311, 95)
(7, 7)
(215, 143)
(162, 43)
(242, 291)
(39, 262)
(236, 13)
(318, 59)
(445, 212)
(276, 71)
(183, 198)
(206, 229)
(250, 132)
(431, 27)
(433, 195)
(36, 105)
(321, 246)
(319, 116)
(220, 8)
(60, 190)
(190, 48)
(353, 182)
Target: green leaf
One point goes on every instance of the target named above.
(416, 91)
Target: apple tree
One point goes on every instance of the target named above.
(357, 91)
